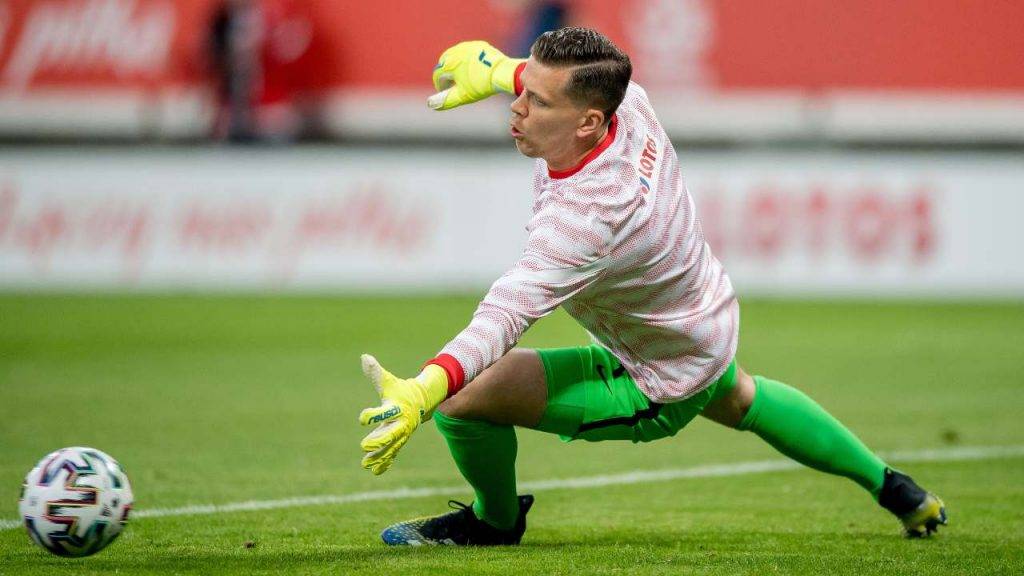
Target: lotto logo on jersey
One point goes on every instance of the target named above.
(648, 160)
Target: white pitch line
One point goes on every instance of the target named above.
(707, 471)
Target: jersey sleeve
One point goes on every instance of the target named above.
(565, 252)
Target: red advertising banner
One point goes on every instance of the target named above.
(916, 70)
(99, 43)
(717, 45)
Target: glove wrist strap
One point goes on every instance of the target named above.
(453, 369)
(503, 77)
(433, 381)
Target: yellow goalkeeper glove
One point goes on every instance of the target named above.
(404, 404)
(469, 72)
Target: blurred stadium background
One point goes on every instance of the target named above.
(867, 147)
(839, 153)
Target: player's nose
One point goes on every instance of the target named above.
(518, 106)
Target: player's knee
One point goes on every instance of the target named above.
(448, 408)
(733, 407)
(462, 405)
(742, 395)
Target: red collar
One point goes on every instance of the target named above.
(608, 139)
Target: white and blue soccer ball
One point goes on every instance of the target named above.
(75, 501)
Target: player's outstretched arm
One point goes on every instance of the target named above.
(404, 404)
(469, 72)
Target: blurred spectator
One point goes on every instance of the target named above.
(233, 61)
(256, 47)
(541, 16)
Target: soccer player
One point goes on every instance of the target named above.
(615, 240)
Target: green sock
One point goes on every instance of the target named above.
(486, 455)
(801, 429)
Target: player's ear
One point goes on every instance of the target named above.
(590, 123)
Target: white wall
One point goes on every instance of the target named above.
(836, 116)
(937, 225)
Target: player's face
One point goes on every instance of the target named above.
(544, 119)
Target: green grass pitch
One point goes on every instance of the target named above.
(215, 400)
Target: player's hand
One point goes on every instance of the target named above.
(404, 404)
(469, 72)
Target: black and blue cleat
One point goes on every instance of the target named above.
(460, 527)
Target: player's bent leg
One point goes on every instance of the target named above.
(477, 424)
(800, 428)
(546, 390)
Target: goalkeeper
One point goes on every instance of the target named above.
(615, 240)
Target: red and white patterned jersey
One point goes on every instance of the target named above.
(617, 243)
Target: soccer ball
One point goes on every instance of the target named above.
(75, 501)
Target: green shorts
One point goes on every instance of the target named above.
(592, 397)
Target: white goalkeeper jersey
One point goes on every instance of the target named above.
(617, 243)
